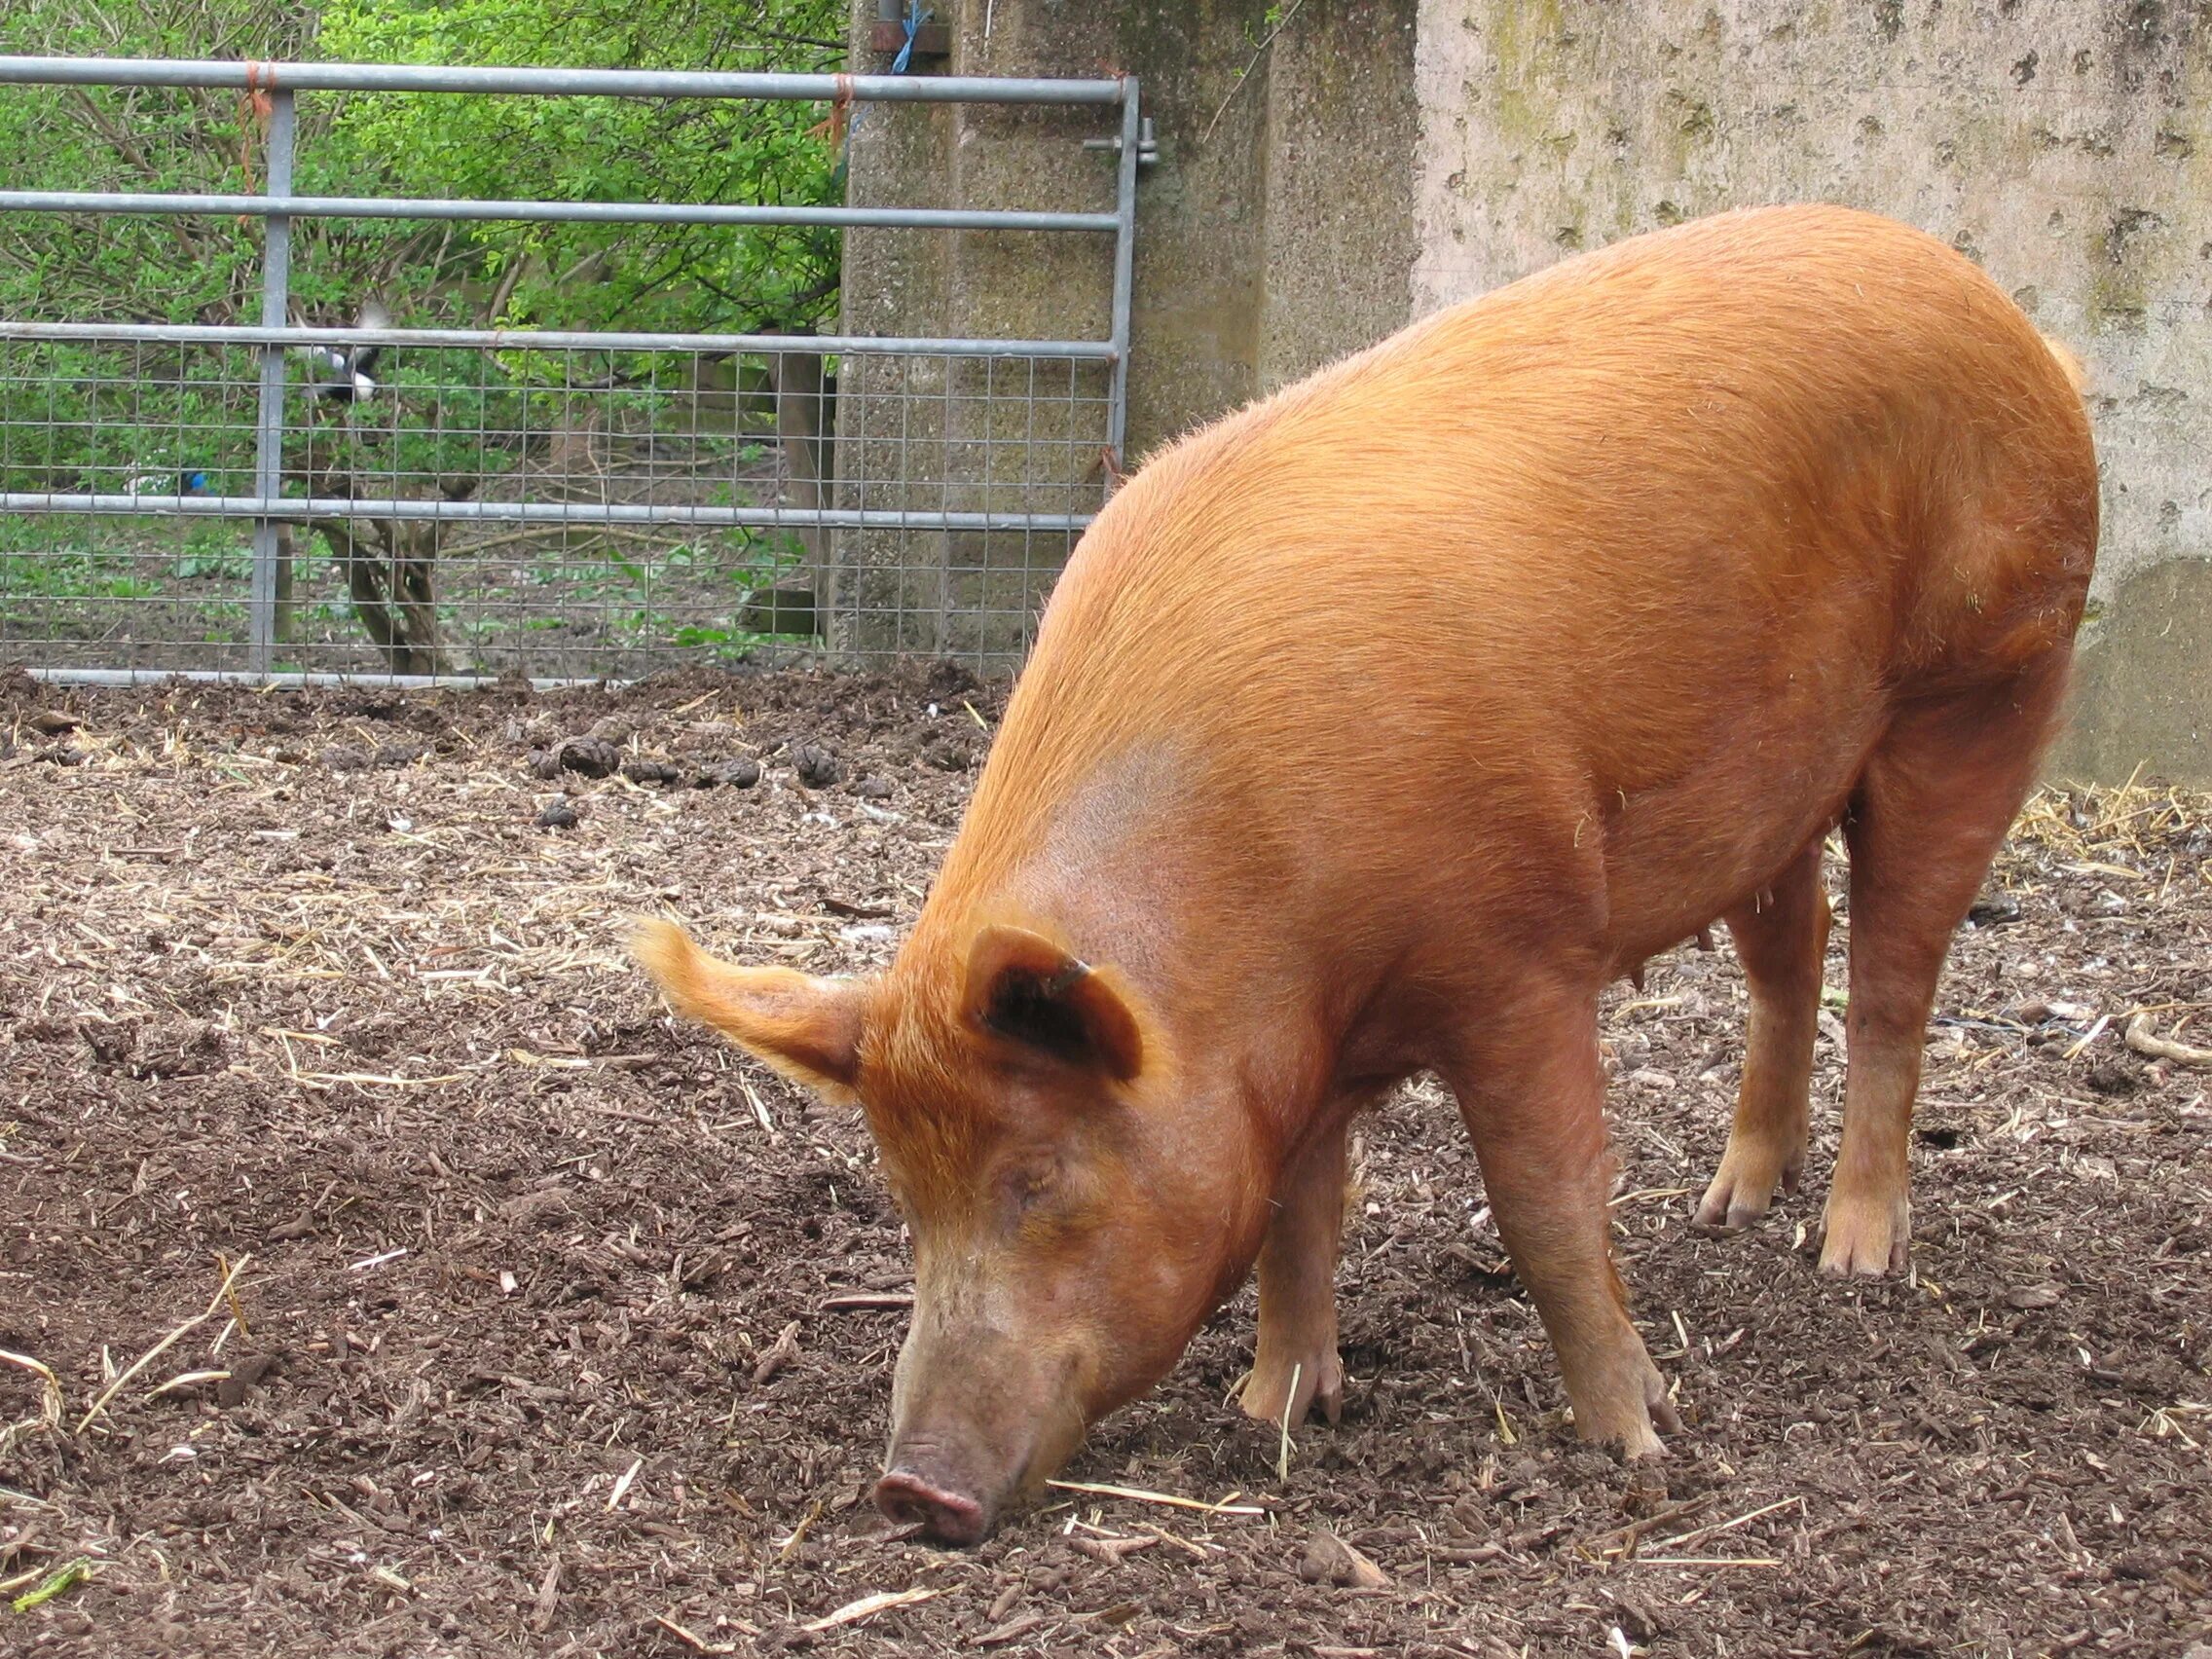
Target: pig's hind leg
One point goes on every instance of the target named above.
(1531, 1088)
(1935, 801)
(1294, 1367)
(1780, 934)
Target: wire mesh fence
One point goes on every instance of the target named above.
(564, 514)
(380, 502)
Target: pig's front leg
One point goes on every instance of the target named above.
(1531, 1088)
(1296, 1367)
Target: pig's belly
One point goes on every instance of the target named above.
(1679, 857)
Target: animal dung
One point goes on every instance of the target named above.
(814, 766)
(590, 755)
(738, 772)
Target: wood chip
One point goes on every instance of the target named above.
(868, 1301)
(2137, 1035)
(1112, 1550)
(691, 1639)
(1329, 1559)
(548, 1594)
(783, 1350)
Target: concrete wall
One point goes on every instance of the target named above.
(1383, 157)
(2064, 144)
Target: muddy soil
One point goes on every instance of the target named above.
(553, 1327)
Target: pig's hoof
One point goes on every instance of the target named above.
(1639, 1412)
(1665, 1419)
(1744, 1187)
(1319, 1379)
(1865, 1237)
(1641, 1439)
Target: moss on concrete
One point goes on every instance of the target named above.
(2139, 695)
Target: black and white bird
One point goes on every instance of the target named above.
(342, 372)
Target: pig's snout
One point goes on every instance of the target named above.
(946, 1516)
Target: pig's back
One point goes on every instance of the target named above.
(1673, 523)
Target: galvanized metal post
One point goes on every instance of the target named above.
(1124, 274)
(269, 444)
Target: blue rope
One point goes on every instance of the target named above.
(915, 19)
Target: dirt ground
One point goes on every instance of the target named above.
(554, 1328)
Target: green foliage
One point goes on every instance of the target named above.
(114, 418)
(612, 149)
(95, 139)
(206, 269)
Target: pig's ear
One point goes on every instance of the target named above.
(1023, 986)
(808, 1029)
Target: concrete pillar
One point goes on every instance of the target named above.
(1264, 245)
(886, 587)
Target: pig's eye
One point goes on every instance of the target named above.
(1031, 1183)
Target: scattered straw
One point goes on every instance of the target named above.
(868, 1607)
(2089, 825)
(381, 1079)
(1705, 1561)
(186, 1380)
(622, 1485)
(1175, 1538)
(49, 1416)
(1637, 1528)
(1137, 1495)
(1683, 1540)
(799, 1533)
(1648, 1195)
(222, 1295)
(759, 1108)
(50, 1394)
(231, 1295)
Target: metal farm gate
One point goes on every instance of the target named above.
(210, 499)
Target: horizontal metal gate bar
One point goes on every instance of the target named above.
(570, 82)
(557, 340)
(293, 679)
(404, 510)
(551, 213)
